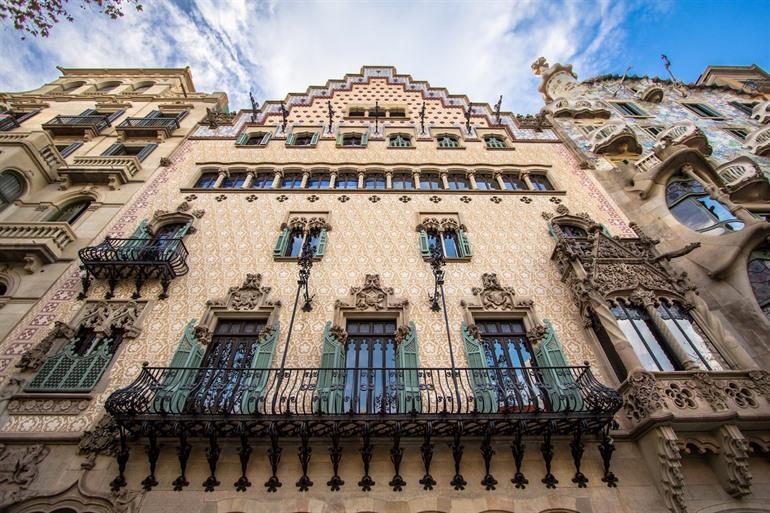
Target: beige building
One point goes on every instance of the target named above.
(378, 296)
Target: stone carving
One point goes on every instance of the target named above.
(18, 465)
(202, 335)
(103, 439)
(251, 295)
(47, 406)
(123, 501)
(34, 357)
(735, 460)
(339, 333)
(304, 224)
(401, 333)
(761, 382)
(540, 65)
(373, 296)
(708, 389)
(104, 316)
(741, 393)
(642, 396)
(493, 296)
(670, 462)
(681, 396)
(215, 118)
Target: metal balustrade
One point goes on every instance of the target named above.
(151, 123)
(95, 122)
(142, 259)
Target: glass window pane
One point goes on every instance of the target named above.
(540, 183)
(451, 245)
(632, 322)
(513, 183)
(295, 244)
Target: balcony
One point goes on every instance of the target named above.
(761, 112)
(684, 133)
(86, 126)
(34, 243)
(160, 127)
(578, 109)
(113, 171)
(142, 259)
(650, 92)
(758, 142)
(613, 138)
(358, 404)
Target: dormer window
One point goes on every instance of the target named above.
(448, 141)
(303, 139)
(399, 141)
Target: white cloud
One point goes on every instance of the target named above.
(482, 49)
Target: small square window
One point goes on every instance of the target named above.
(629, 109)
(653, 130)
(745, 107)
(739, 133)
(702, 110)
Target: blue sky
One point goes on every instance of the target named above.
(480, 48)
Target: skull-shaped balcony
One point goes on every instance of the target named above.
(650, 92)
(684, 133)
(613, 138)
(115, 260)
(578, 109)
(758, 142)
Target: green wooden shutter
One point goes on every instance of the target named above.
(242, 139)
(181, 232)
(465, 245)
(314, 140)
(131, 248)
(424, 244)
(290, 139)
(67, 371)
(321, 247)
(364, 138)
(483, 386)
(331, 377)
(255, 382)
(605, 231)
(146, 151)
(265, 138)
(339, 139)
(562, 389)
(180, 379)
(281, 243)
(113, 149)
(408, 379)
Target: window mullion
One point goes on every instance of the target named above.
(641, 336)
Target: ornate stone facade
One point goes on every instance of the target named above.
(373, 269)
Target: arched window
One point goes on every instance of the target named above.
(168, 232)
(11, 188)
(263, 181)
(486, 182)
(319, 181)
(3, 288)
(291, 181)
(513, 182)
(457, 181)
(346, 181)
(692, 206)
(402, 181)
(494, 141)
(294, 247)
(399, 141)
(207, 180)
(71, 212)
(234, 181)
(451, 243)
(540, 182)
(759, 277)
(374, 181)
(430, 181)
(448, 141)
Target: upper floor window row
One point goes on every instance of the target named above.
(376, 111)
(461, 180)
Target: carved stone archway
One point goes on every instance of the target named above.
(371, 300)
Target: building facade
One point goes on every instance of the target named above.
(378, 296)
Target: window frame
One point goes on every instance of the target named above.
(400, 137)
(690, 107)
(635, 111)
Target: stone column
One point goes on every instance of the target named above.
(647, 301)
(416, 178)
(277, 179)
(388, 179)
(249, 179)
(472, 179)
(220, 178)
(332, 178)
(525, 177)
(361, 179)
(305, 176)
(445, 179)
(499, 178)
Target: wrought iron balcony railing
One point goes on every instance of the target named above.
(66, 124)
(307, 404)
(510, 393)
(143, 259)
(148, 126)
